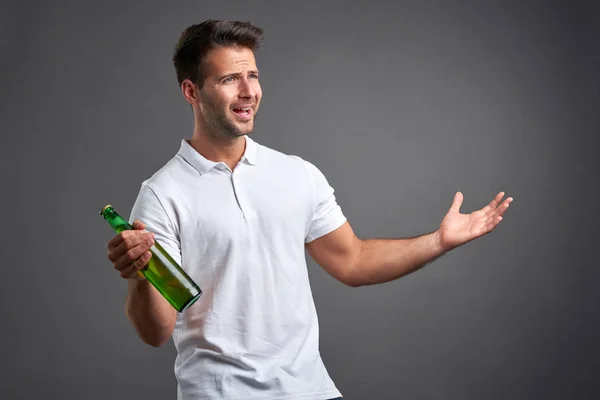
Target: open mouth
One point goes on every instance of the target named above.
(243, 111)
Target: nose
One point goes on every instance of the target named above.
(246, 90)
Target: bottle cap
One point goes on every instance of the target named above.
(104, 208)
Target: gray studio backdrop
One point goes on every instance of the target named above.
(400, 104)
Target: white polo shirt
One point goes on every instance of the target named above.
(240, 235)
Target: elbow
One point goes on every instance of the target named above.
(352, 278)
(155, 337)
(152, 333)
(157, 341)
(353, 282)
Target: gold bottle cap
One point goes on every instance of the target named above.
(104, 208)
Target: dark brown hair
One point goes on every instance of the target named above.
(198, 39)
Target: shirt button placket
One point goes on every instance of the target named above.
(239, 194)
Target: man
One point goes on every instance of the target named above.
(237, 216)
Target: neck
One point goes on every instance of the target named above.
(219, 149)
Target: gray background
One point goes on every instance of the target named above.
(400, 104)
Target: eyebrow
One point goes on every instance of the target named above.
(254, 71)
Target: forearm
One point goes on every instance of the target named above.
(383, 260)
(149, 312)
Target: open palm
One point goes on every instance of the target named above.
(457, 229)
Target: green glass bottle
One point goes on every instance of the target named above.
(161, 271)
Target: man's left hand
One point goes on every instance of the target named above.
(457, 229)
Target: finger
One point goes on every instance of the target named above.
(489, 227)
(114, 242)
(129, 240)
(139, 225)
(494, 218)
(492, 222)
(499, 211)
(502, 209)
(117, 240)
(484, 229)
(132, 271)
(131, 254)
(457, 202)
(494, 203)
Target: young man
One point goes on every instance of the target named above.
(238, 216)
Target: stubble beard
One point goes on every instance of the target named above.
(220, 125)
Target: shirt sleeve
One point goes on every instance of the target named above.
(327, 215)
(149, 209)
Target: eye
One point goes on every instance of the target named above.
(229, 79)
(254, 76)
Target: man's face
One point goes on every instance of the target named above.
(231, 93)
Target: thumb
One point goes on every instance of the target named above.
(139, 225)
(458, 199)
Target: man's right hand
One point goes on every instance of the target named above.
(128, 251)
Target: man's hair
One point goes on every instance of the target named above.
(198, 39)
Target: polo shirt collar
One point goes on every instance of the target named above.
(250, 152)
(203, 165)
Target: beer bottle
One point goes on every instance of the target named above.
(161, 271)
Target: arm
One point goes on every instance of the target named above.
(151, 315)
(358, 262)
(149, 312)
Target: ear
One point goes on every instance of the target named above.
(190, 91)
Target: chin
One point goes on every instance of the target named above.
(245, 130)
(239, 132)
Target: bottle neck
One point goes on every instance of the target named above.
(117, 222)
